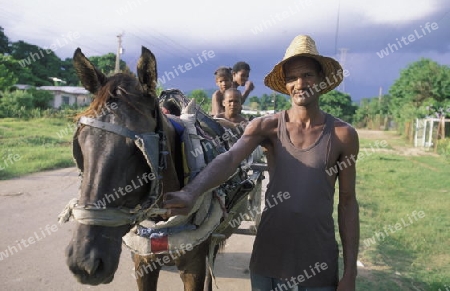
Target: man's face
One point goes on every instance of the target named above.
(223, 83)
(232, 103)
(302, 80)
(241, 77)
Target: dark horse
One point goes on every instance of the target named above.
(105, 150)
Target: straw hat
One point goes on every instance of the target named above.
(304, 45)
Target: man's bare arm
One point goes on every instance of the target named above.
(348, 210)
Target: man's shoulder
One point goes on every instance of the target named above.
(268, 119)
(265, 124)
(344, 131)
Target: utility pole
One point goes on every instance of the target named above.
(380, 94)
(343, 56)
(274, 96)
(119, 52)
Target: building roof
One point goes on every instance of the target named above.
(22, 86)
(65, 89)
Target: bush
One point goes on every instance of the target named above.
(41, 98)
(443, 147)
(15, 104)
(33, 104)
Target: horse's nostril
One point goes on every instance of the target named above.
(91, 268)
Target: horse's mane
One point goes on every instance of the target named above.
(122, 81)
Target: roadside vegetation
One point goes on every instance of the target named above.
(34, 145)
(405, 243)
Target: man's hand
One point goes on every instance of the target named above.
(180, 202)
(347, 283)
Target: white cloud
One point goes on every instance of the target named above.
(392, 11)
(172, 23)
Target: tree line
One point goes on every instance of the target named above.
(422, 89)
(25, 63)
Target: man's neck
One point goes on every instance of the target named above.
(306, 116)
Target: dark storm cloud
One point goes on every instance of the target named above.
(178, 38)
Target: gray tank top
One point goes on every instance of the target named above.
(296, 236)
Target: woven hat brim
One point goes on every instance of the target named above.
(333, 74)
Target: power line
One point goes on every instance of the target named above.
(337, 27)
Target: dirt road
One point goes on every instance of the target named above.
(29, 207)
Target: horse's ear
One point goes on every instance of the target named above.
(146, 69)
(91, 78)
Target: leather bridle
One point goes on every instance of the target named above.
(153, 145)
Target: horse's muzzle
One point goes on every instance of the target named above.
(90, 270)
(93, 254)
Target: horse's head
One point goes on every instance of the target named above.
(115, 174)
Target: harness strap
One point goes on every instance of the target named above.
(91, 215)
(120, 130)
(153, 145)
(172, 241)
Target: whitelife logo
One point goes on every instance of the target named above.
(411, 38)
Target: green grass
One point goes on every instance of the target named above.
(34, 145)
(390, 187)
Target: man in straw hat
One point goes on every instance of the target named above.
(307, 151)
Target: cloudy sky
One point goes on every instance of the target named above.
(379, 39)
